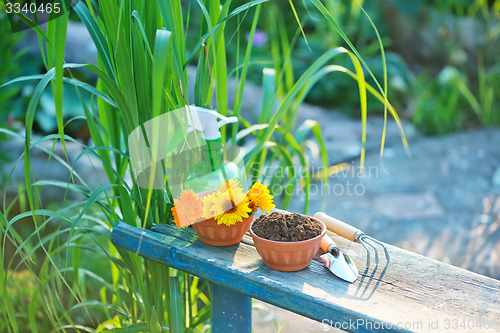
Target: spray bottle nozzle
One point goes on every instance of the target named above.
(208, 121)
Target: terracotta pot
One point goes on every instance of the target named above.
(288, 256)
(211, 233)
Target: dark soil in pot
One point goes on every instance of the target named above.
(286, 227)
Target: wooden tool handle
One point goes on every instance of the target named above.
(327, 243)
(340, 228)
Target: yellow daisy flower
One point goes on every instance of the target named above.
(187, 209)
(208, 203)
(260, 197)
(227, 207)
(231, 184)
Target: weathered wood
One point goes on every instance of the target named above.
(231, 310)
(412, 293)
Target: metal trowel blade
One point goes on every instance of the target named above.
(341, 266)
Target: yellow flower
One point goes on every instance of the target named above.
(260, 197)
(208, 203)
(227, 207)
(187, 209)
(232, 184)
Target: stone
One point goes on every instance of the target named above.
(408, 206)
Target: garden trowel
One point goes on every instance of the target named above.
(340, 264)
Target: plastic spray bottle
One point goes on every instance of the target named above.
(211, 171)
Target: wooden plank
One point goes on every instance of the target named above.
(412, 293)
(231, 310)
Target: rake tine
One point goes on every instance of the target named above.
(381, 244)
(367, 252)
(366, 240)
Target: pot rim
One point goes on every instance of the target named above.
(323, 231)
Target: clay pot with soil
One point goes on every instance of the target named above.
(287, 242)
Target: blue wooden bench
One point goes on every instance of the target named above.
(411, 294)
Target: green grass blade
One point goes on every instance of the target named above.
(96, 34)
(71, 81)
(268, 95)
(31, 311)
(175, 314)
(322, 9)
(364, 110)
(250, 130)
(59, 45)
(133, 328)
(295, 147)
(171, 13)
(8, 312)
(235, 12)
(301, 83)
(244, 72)
(315, 128)
(161, 69)
(379, 97)
(135, 15)
(384, 68)
(290, 2)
